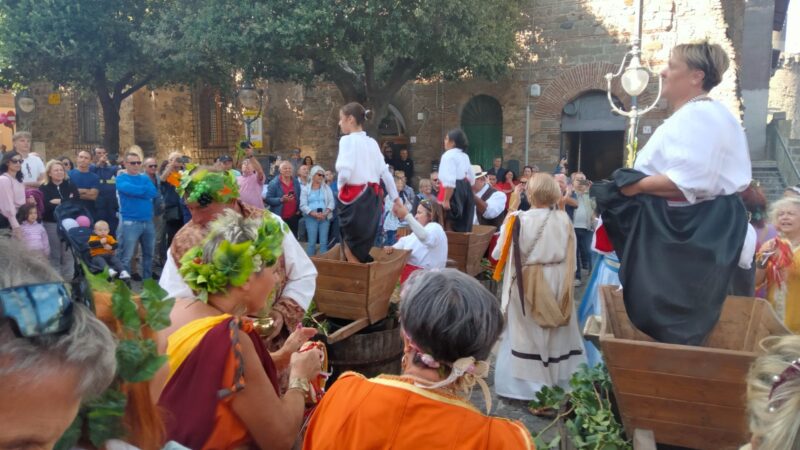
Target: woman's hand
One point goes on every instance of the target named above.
(388, 250)
(399, 210)
(298, 337)
(446, 205)
(17, 233)
(306, 365)
(55, 201)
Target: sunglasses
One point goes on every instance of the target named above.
(152, 166)
(135, 163)
(320, 175)
(15, 160)
(38, 309)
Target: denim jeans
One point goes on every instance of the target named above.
(390, 237)
(583, 254)
(317, 231)
(135, 232)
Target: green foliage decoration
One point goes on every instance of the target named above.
(232, 264)
(205, 187)
(586, 411)
(138, 360)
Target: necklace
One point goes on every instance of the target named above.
(698, 98)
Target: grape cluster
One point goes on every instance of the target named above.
(205, 199)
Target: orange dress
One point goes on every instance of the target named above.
(389, 412)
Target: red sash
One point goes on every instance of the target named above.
(408, 269)
(350, 192)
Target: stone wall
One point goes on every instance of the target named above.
(785, 92)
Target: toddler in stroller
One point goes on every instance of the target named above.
(74, 227)
(102, 249)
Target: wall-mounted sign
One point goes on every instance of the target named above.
(54, 99)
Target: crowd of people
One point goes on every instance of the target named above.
(226, 241)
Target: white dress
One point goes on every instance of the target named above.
(530, 356)
(430, 253)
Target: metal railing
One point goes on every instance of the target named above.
(782, 155)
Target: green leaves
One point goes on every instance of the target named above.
(589, 420)
(124, 308)
(104, 417)
(138, 360)
(156, 304)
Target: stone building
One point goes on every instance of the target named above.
(575, 43)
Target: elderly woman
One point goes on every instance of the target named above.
(54, 353)
(222, 388)
(56, 190)
(682, 224)
(778, 263)
(12, 193)
(317, 204)
(428, 241)
(773, 395)
(450, 323)
(542, 345)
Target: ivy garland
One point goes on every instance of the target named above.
(232, 264)
(206, 187)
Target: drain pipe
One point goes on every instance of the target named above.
(534, 90)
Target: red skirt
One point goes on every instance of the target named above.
(408, 269)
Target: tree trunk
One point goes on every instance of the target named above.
(111, 122)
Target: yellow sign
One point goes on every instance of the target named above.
(251, 113)
(54, 99)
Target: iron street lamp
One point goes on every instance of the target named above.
(634, 79)
(251, 101)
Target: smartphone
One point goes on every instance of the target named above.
(319, 210)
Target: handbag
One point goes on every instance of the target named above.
(547, 311)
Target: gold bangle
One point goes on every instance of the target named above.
(302, 385)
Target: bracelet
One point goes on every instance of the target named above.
(302, 384)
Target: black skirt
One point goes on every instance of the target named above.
(358, 223)
(462, 208)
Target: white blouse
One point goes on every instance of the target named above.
(360, 162)
(701, 148)
(430, 253)
(455, 166)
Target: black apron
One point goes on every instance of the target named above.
(462, 207)
(359, 221)
(675, 262)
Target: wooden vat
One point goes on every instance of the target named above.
(354, 291)
(465, 250)
(688, 396)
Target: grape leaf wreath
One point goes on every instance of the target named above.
(205, 187)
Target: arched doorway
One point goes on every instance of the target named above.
(482, 121)
(592, 137)
(392, 129)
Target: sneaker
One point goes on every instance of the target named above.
(577, 282)
(112, 273)
(124, 275)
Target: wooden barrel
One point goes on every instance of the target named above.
(374, 350)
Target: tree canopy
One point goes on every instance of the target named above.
(368, 48)
(89, 45)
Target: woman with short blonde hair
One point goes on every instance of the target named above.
(57, 189)
(542, 345)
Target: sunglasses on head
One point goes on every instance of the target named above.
(38, 309)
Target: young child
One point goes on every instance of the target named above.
(361, 168)
(33, 233)
(101, 248)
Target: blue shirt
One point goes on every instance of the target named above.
(85, 180)
(316, 199)
(107, 198)
(136, 194)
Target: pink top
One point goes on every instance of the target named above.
(35, 237)
(250, 190)
(12, 196)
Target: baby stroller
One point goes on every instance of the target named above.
(76, 237)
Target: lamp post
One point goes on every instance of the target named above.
(251, 101)
(634, 79)
(25, 105)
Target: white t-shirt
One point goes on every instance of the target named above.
(455, 166)
(360, 161)
(428, 254)
(702, 148)
(32, 168)
(495, 204)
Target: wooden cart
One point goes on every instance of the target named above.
(688, 396)
(355, 291)
(465, 250)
